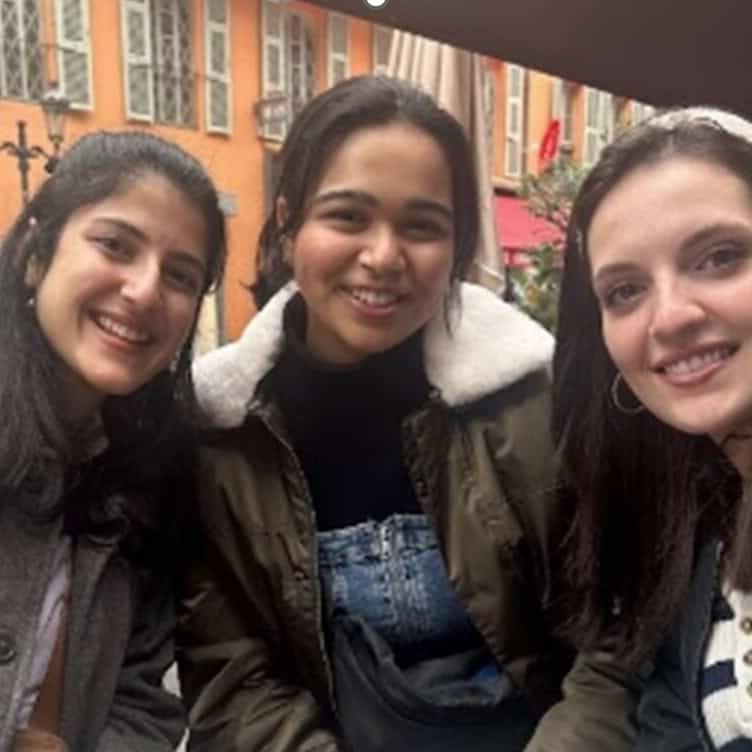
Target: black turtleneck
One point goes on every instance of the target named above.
(345, 424)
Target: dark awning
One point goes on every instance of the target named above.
(663, 52)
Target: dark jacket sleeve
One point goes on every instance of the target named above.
(238, 700)
(145, 717)
(664, 716)
(596, 712)
(239, 697)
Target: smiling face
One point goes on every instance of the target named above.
(670, 249)
(374, 253)
(122, 290)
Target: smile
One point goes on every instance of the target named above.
(121, 331)
(695, 363)
(375, 298)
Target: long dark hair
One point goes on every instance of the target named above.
(640, 495)
(322, 125)
(39, 456)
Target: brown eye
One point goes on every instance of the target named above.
(621, 295)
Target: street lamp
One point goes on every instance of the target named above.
(55, 107)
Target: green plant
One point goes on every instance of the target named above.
(535, 289)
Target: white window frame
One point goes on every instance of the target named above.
(381, 40)
(563, 109)
(334, 55)
(217, 79)
(27, 94)
(299, 93)
(273, 40)
(640, 111)
(69, 46)
(134, 60)
(514, 153)
(599, 124)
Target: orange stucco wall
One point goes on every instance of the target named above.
(235, 161)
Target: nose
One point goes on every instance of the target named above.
(383, 252)
(676, 310)
(141, 283)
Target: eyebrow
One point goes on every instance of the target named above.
(363, 197)
(140, 235)
(696, 238)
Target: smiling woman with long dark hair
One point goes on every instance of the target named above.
(653, 415)
(101, 278)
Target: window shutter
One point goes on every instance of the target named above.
(300, 63)
(641, 111)
(137, 62)
(74, 53)
(382, 45)
(339, 59)
(21, 71)
(273, 72)
(592, 123)
(217, 65)
(515, 113)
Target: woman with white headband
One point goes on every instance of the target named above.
(653, 417)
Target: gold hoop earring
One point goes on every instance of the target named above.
(635, 409)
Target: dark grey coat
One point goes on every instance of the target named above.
(119, 642)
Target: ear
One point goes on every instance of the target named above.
(282, 213)
(34, 272)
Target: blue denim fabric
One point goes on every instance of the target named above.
(392, 575)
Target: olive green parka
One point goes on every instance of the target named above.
(253, 661)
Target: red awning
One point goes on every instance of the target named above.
(519, 229)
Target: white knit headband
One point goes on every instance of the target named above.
(726, 121)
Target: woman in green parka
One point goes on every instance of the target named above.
(379, 470)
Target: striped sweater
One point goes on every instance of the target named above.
(726, 678)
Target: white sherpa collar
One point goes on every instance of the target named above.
(491, 346)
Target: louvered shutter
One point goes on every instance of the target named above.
(137, 60)
(74, 52)
(273, 63)
(217, 61)
(339, 58)
(515, 116)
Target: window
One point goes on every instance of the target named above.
(300, 67)
(382, 47)
(217, 65)
(515, 118)
(339, 59)
(599, 123)
(562, 109)
(73, 53)
(641, 112)
(488, 83)
(288, 64)
(21, 72)
(158, 60)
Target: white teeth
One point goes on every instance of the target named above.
(374, 297)
(122, 331)
(696, 362)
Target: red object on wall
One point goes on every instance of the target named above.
(549, 144)
(519, 229)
